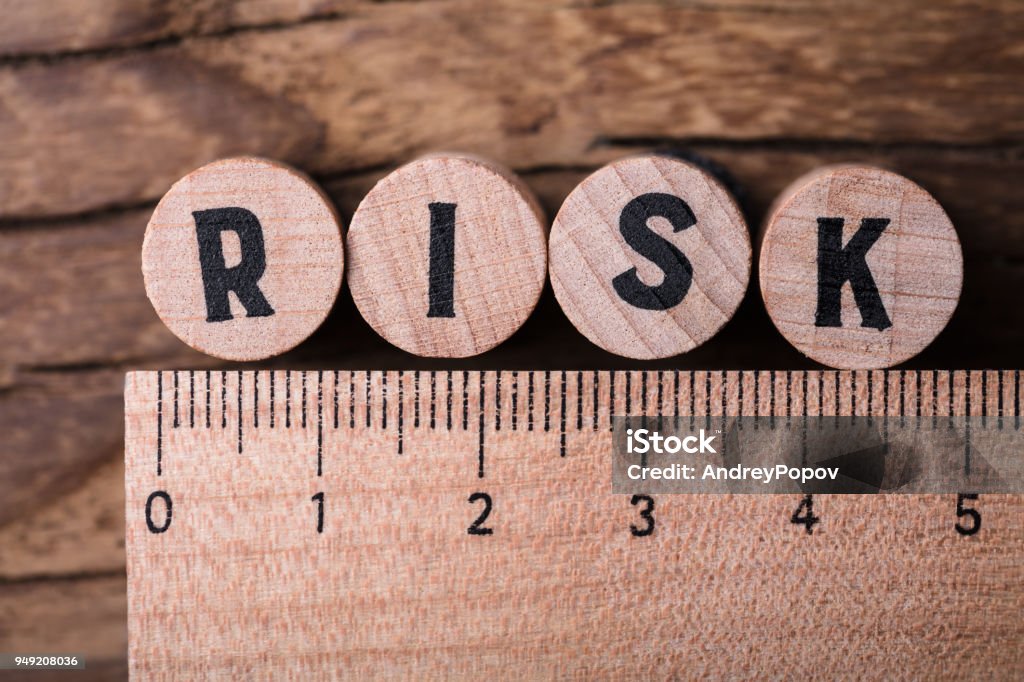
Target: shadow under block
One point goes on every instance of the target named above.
(860, 268)
(649, 257)
(243, 258)
(447, 256)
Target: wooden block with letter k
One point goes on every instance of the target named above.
(860, 267)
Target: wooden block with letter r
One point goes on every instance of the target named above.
(243, 258)
(860, 267)
(447, 256)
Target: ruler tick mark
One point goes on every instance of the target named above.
(480, 450)
(207, 398)
(288, 399)
(740, 409)
(416, 400)
(433, 400)
(515, 399)
(223, 399)
(561, 418)
(159, 422)
(724, 379)
(401, 408)
(320, 423)
(351, 400)
(369, 408)
(448, 400)
(239, 412)
(175, 398)
(547, 401)
(334, 387)
(579, 401)
(384, 400)
(529, 403)
(465, 401)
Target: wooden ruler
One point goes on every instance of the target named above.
(460, 524)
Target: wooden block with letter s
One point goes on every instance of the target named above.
(650, 256)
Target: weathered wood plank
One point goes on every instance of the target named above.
(67, 26)
(84, 616)
(527, 85)
(81, 531)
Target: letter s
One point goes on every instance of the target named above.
(645, 241)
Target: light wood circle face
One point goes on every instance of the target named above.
(860, 268)
(243, 258)
(447, 256)
(649, 257)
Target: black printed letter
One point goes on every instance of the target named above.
(218, 279)
(837, 264)
(645, 241)
(441, 292)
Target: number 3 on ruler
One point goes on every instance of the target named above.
(646, 513)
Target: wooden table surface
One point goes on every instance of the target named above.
(104, 103)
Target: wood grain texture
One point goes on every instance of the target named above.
(395, 587)
(884, 312)
(83, 614)
(70, 27)
(251, 285)
(119, 129)
(691, 276)
(102, 115)
(447, 256)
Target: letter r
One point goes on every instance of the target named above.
(218, 279)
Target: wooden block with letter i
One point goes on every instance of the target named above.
(447, 256)
(243, 258)
(860, 268)
(649, 257)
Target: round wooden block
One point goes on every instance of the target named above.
(860, 268)
(447, 256)
(649, 257)
(243, 258)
